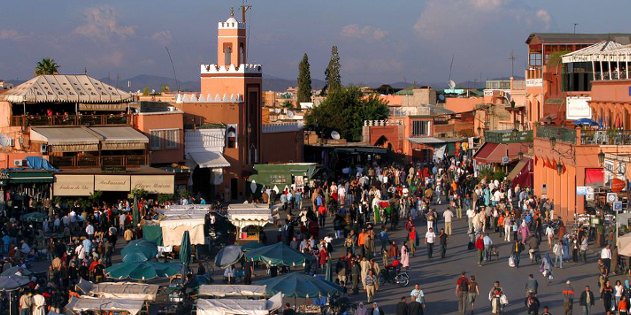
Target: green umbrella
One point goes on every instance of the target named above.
(138, 249)
(250, 246)
(144, 270)
(35, 216)
(278, 254)
(135, 214)
(297, 284)
(185, 249)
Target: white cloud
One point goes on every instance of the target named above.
(162, 37)
(101, 24)
(11, 35)
(365, 33)
(114, 59)
(545, 17)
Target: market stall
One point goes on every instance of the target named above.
(244, 216)
(235, 290)
(119, 290)
(239, 306)
(86, 303)
(173, 227)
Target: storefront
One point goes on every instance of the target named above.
(280, 177)
(78, 183)
(25, 187)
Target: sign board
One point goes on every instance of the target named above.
(617, 185)
(612, 197)
(544, 188)
(505, 160)
(581, 190)
(111, 182)
(578, 107)
(617, 206)
(154, 184)
(590, 190)
(534, 82)
(589, 197)
(73, 185)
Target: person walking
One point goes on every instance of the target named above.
(442, 238)
(26, 303)
(586, 301)
(462, 290)
(430, 237)
(605, 255)
(532, 304)
(417, 301)
(412, 240)
(474, 291)
(369, 283)
(355, 274)
(568, 298)
(558, 254)
(448, 216)
(606, 295)
(402, 307)
(516, 250)
(531, 285)
(497, 298)
(479, 246)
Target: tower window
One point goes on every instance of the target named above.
(227, 55)
(231, 137)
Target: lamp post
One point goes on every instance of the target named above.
(601, 157)
(520, 155)
(559, 168)
(553, 141)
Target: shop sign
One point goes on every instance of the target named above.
(111, 182)
(581, 190)
(277, 179)
(577, 107)
(612, 197)
(617, 185)
(73, 185)
(534, 82)
(155, 184)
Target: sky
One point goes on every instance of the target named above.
(378, 41)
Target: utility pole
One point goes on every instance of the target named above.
(575, 24)
(244, 9)
(512, 59)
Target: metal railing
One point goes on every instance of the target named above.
(94, 161)
(507, 136)
(606, 137)
(559, 133)
(70, 120)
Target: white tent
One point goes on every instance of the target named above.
(85, 303)
(624, 245)
(232, 290)
(246, 214)
(173, 228)
(239, 306)
(119, 290)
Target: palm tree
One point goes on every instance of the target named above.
(46, 66)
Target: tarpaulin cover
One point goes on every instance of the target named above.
(594, 175)
(10, 283)
(125, 290)
(624, 245)
(228, 255)
(297, 284)
(173, 228)
(278, 254)
(86, 303)
(239, 306)
(152, 232)
(38, 163)
(522, 174)
(232, 290)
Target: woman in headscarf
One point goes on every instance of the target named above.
(547, 267)
(523, 231)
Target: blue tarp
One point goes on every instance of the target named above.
(38, 163)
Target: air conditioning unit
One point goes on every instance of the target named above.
(19, 163)
(43, 148)
(11, 142)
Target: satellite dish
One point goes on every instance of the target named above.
(441, 97)
(276, 110)
(335, 135)
(4, 140)
(290, 114)
(451, 84)
(253, 186)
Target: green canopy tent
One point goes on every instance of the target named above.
(137, 249)
(142, 270)
(185, 251)
(297, 284)
(34, 216)
(278, 254)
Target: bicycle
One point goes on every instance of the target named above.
(401, 278)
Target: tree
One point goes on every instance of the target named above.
(304, 80)
(332, 73)
(287, 104)
(46, 66)
(344, 110)
(145, 91)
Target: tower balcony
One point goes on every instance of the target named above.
(242, 69)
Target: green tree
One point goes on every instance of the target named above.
(344, 110)
(145, 91)
(46, 66)
(304, 80)
(332, 73)
(288, 104)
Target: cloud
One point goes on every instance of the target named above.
(114, 59)
(545, 17)
(11, 35)
(101, 24)
(366, 32)
(441, 19)
(162, 37)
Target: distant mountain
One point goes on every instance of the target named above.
(271, 83)
(154, 82)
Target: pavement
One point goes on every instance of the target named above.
(437, 277)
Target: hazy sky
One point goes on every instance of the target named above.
(379, 41)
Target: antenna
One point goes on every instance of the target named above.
(575, 24)
(173, 67)
(451, 66)
(335, 135)
(512, 59)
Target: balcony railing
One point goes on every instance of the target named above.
(64, 120)
(606, 137)
(559, 133)
(112, 161)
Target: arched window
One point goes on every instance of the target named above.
(227, 55)
(241, 54)
(231, 136)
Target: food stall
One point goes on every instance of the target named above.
(173, 227)
(86, 303)
(239, 306)
(119, 290)
(236, 290)
(249, 219)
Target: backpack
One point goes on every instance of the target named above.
(472, 286)
(464, 285)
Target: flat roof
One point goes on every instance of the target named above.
(533, 38)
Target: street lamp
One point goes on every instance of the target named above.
(559, 168)
(553, 141)
(520, 155)
(601, 157)
(515, 133)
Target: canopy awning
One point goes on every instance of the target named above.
(243, 215)
(232, 290)
(496, 152)
(85, 303)
(121, 138)
(425, 140)
(120, 290)
(239, 306)
(209, 159)
(522, 174)
(30, 177)
(66, 139)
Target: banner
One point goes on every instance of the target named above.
(439, 153)
(155, 184)
(111, 182)
(73, 185)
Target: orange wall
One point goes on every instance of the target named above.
(460, 105)
(291, 142)
(390, 132)
(7, 158)
(167, 120)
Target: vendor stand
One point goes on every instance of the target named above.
(85, 303)
(174, 226)
(235, 290)
(249, 219)
(239, 306)
(119, 290)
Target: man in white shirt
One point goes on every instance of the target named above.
(448, 216)
(487, 246)
(430, 237)
(417, 294)
(605, 256)
(470, 215)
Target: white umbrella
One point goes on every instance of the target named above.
(624, 245)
